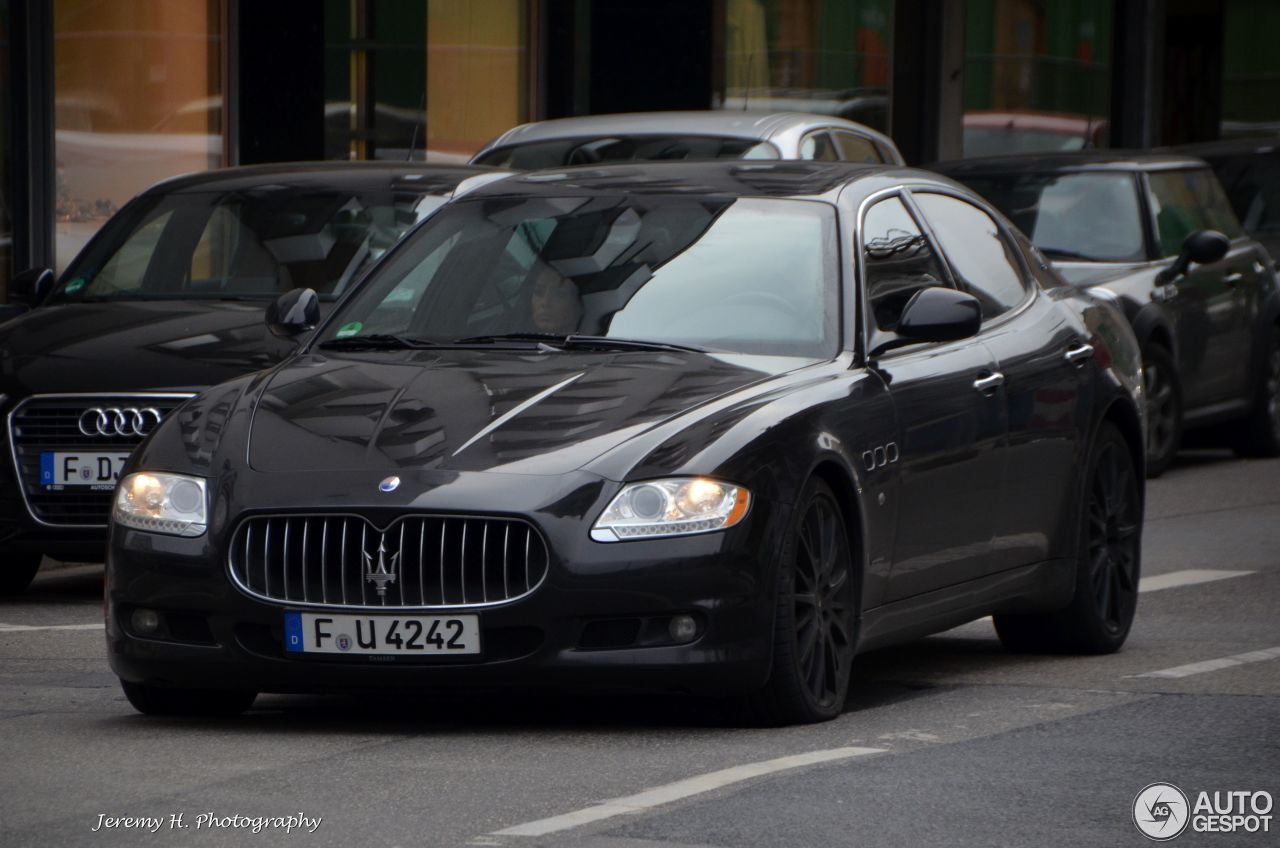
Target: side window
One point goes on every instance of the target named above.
(855, 148)
(898, 261)
(818, 147)
(979, 253)
(1186, 201)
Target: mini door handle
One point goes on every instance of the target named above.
(1079, 355)
(988, 385)
(1233, 278)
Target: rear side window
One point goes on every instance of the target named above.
(1186, 201)
(978, 251)
(898, 261)
(855, 148)
(818, 147)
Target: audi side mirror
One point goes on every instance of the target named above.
(295, 312)
(31, 286)
(1201, 247)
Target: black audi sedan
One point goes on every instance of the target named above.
(710, 427)
(1154, 232)
(167, 299)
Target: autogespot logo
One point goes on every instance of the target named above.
(1161, 812)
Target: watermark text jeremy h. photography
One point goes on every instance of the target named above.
(287, 823)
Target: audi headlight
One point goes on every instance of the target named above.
(162, 503)
(674, 507)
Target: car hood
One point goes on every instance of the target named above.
(480, 410)
(143, 345)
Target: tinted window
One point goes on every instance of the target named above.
(898, 261)
(818, 147)
(1086, 216)
(596, 149)
(1186, 201)
(855, 148)
(747, 275)
(980, 255)
(256, 243)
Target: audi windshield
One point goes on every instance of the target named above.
(739, 275)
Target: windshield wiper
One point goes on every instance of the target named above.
(1059, 253)
(581, 342)
(377, 341)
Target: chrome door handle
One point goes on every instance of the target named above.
(1079, 355)
(988, 385)
(1233, 278)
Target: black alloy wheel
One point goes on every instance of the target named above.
(1260, 434)
(1098, 619)
(1163, 395)
(160, 701)
(813, 636)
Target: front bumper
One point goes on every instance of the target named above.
(598, 621)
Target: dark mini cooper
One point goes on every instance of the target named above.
(706, 427)
(1155, 233)
(166, 300)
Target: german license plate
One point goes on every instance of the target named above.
(59, 468)
(402, 635)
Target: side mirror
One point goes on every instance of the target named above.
(1201, 247)
(31, 286)
(293, 313)
(936, 314)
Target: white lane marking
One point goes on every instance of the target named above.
(17, 628)
(680, 789)
(1190, 577)
(1213, 665)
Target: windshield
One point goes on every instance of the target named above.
(243, 244)
(740, 275)
(1085, 216)
(595, 149)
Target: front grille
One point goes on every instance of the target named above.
(418, 561)
(52, 423)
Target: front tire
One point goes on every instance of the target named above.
(1163, 392)
(17, 570)
(1098, 619)
(814, 617)
(158, 701)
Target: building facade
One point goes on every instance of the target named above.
(101, 98)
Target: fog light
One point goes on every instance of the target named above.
(683, 628)
(145, 621)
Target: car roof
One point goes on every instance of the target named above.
(717, 177)
(721, 122)
(1082, 160)
(426, 178)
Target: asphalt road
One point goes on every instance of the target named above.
(946, 741)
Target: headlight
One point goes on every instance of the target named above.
(671, 508)
(162, 503)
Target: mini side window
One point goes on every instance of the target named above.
(855, 148)
(981, 257)
(818, 147)
(898, 261)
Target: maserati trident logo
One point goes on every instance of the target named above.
(383, 573)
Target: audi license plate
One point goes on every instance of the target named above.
(101, 470)
(401, 635)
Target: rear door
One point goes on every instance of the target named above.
(1045, 360)
(950, 415)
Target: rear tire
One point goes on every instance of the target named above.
(154, 700)
(1098, 619)
(813, 629)
(1259, 433)
(1163, 392)
(17, 570)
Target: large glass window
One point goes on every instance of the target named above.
(1037, 75)
(1251, 69)
(827, 56)
(430, 80)
(138, 98)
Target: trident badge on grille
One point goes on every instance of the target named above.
(385, 572)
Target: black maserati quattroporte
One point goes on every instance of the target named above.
(712, 427)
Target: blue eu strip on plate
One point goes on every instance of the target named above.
(293, 632)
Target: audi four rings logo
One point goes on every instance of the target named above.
(119, 421)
